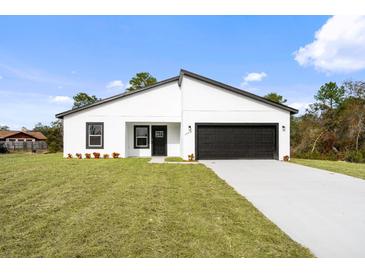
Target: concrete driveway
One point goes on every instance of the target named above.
(322, 210)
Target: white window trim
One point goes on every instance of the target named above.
(136, 146)
(101, 140)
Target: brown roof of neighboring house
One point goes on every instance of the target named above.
(7, 133)
(35, 134)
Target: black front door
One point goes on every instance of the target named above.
(159, 140)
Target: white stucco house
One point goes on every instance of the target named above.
(184, 115)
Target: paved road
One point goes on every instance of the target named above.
(322, 210)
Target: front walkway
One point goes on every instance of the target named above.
(157, 160)
(323, 211)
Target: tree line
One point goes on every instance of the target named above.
(333, 127)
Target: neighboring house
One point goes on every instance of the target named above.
(22, 140)
(180, 116)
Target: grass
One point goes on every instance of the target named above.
(352, 169)
(174, 159)
(55, 207)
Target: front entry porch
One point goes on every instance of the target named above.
(146, 139)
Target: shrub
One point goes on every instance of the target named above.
(191, 157)
(354, 156)
(87, 155)
(306, 155)
(115, 155)
(3, 149)
(69, 156)
(53, 147)
(79, 155)
(106, 156)
(96, 155)
(331, 156)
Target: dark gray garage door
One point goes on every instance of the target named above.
(227, 141)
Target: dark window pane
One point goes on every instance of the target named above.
(95, 129)
(95, 140)
(141, 131)
(142, 142)
(159, 134)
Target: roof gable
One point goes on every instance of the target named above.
(179, 79)
(235, 90)
(7, 133)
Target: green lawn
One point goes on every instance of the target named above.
(174, 159)
(55, 207)
(352, 169)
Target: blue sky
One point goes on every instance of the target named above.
(45, 60)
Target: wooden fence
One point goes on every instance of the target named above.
(24, 146)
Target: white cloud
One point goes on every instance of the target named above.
(115, 85)
(300, 106)
(338, 47)
(253, 77)
(59, 99)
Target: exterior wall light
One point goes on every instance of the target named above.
(189, 128)
(283, 127)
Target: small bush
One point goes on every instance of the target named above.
(191, 157)
(115, 155)
(53, 147)
(354, 156)
(87, 155)
(69, 156)
(79, 155)
(307, 155)
(96, 155)
(3, 149)
(331, 156)
(106, 156)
